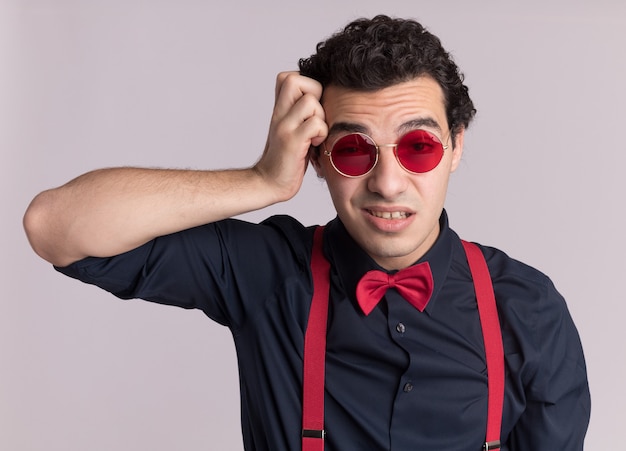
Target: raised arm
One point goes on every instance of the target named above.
(110, 211)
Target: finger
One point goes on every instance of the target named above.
(305, 122)
(315, 131)
(293, 87)
(280, 79)
(312, 131)
(305, 108)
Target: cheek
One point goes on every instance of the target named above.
(342, 189)
(436, 188)
(338, 190)
(431, 187)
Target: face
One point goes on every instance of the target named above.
(391, 213)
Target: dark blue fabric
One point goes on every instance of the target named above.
(397, 379)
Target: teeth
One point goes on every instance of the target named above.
(389, 214)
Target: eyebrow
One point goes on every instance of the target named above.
(349, 127)
(424, 122)
(413, 124)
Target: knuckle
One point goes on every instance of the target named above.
(280, 78)
(291, 81)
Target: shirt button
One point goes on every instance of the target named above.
(401, 328)
(407, 387)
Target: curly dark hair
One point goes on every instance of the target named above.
(371, 54)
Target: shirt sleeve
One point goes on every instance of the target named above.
(557, 395)
(226, 269)
(547, 377)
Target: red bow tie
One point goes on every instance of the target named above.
(415, 284)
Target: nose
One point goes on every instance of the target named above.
(388, 178)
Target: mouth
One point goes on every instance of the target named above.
(390, 214)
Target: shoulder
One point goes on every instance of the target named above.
(291, 231)
(525, 295)
(517, 276)
(506, 272)
(534, 315)
(528, 301)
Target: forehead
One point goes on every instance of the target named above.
(387, 109)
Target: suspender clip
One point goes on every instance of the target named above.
(495, 445)
(314, 433)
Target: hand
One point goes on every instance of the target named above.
(298, 123)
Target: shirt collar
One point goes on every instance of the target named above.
(349, 261)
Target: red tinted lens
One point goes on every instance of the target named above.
(353, 155)
(419, 151)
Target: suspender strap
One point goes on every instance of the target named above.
(492, 337)
(313, 433)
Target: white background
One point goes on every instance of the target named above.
(93, 83)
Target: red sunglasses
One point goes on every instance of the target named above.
(356, 154)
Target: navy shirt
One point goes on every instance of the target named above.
(397, 379)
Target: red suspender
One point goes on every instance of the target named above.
(313, 433)
(492, 337)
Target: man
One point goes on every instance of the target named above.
(380, 111)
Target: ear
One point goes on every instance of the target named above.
(457, 150)
(314, 158)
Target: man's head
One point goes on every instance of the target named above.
(396, 110)
(371, 54)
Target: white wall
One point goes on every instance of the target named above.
(92, 83)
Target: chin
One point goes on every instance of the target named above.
(389, 251)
